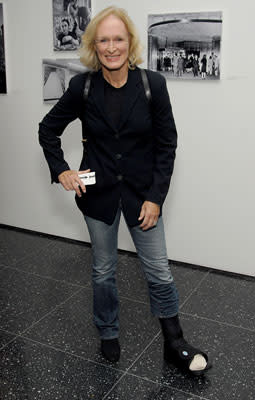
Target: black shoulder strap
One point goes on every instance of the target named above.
(146, 85)
(87, 85)
(85, 97)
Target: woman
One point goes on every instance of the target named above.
(67, 39)
(130, 144)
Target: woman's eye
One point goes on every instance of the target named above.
(103, 41)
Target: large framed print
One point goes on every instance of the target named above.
(56, 76)
(185, 45)
(70, 19)
(3, 86)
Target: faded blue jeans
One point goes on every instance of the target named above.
(151, 250)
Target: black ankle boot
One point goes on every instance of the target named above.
(110, 349)
(176, 349)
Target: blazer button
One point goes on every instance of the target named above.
(119, 177)
(118, 156)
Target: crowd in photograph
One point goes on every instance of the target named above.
(197, 64)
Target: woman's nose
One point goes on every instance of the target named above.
(111, 45)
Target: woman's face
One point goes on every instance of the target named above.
(112, 43)
(65, 28)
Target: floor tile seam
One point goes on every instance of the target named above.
(33, 253)
(113, 386)
(166, 385)
(218, 322)
(13, 263)
(51, 312)
(10, 341)
(49, 346)
(8, 332)
(194, 289)
(48, 277)
(144, 350)
(137, 358)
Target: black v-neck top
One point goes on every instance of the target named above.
(114, 99)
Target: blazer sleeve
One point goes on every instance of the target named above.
(165, 137)
(54, 123)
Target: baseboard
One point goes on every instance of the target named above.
(130, 253)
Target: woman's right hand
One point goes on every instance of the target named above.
(70, 181)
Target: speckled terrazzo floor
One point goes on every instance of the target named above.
(49, 348)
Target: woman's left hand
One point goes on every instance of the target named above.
(149, 213)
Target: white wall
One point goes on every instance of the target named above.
(209, 211)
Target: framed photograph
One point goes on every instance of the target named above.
(70, 19)
(3, 86)
(185, 45)
(56, 76)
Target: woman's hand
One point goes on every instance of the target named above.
(149, 213)
(70, 181)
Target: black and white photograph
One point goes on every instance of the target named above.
(70, 19)
(56, 76)
(3, 88)
(185, 45)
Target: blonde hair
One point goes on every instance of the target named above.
(88, 55)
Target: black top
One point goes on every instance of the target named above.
(113, 101)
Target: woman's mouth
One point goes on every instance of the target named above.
(112, 58)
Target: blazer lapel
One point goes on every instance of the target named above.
(97, 93)
(132, 92)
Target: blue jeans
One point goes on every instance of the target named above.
(151, 250)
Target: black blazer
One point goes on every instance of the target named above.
(133, 162)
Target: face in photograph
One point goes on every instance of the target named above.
(65, 27)
(112, 43)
